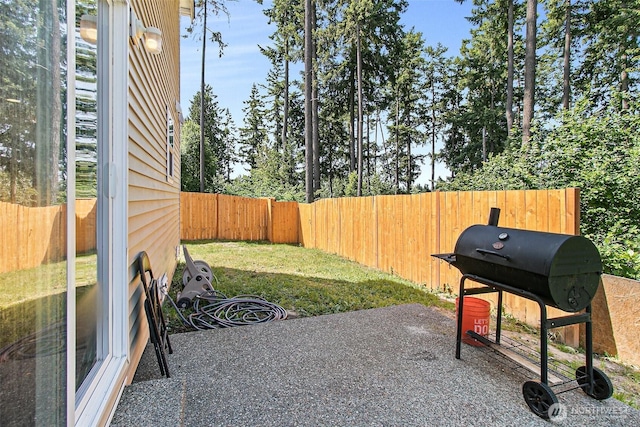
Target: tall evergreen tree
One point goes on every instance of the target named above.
(18, 102)
(476, 118)
(200, 29)
(288, 16)
(369, 34)
(411, 113)
(436, 72)
(559, 37)
(190, 158)
(254, 138)
(214, 128)
(612, 50)
(228, 135)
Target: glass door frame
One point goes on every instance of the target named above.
(96, 397)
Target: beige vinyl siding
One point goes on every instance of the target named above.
(153, 201)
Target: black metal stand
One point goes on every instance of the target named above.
(538, 396)
(158, 332)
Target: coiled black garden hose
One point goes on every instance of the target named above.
(213, 310)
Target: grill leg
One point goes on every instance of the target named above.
(499, 317)
(544, 377)
(589, 348)
(460, 307)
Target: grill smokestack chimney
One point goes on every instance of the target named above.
(494, 217)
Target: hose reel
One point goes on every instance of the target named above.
(196, 279)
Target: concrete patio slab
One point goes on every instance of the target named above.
(392, 366)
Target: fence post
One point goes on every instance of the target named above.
(270, 219)
(573, 210)
(437, 232)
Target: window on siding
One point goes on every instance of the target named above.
(170, 145)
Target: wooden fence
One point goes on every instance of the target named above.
(222, 217)
(34, 236)
(396, 234)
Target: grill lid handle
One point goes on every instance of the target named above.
(486, 252)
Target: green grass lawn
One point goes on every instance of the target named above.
(33, 298)
(20, 286)
(305, 282)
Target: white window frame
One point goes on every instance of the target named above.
(95, 399)
(171, 126)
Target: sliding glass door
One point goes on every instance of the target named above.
(33, 212)
(63, 325)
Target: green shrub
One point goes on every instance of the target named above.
(598, 152)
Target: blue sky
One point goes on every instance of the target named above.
(232, 75)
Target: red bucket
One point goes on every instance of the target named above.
(475, 318)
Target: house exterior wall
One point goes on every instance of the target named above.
(154, 198)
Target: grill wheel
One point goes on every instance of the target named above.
(539, 397)
(602, 387)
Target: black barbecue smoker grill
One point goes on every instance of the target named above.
(558, 270)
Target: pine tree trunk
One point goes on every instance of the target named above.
(409, 165)
(285, 107)
(314, 103)
(352, 127)
(566, 84)
(308, 110)
(359, 68)
(509, 111)
(397, 154)
(48, 110)
(529, 71)
(433, 134)
(204, 46)
(624, 83)
(484, 144)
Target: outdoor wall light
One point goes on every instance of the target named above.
(152, 35)
(153, 40)
(89, 28)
